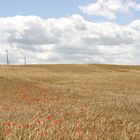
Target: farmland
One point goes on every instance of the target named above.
(68, 102)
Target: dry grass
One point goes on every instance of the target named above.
(68, 102)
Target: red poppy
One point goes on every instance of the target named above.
(50, 118)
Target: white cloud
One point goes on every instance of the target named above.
(110, 8)
(68, 40)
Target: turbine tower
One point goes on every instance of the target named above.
(25, 62)
(7, 57)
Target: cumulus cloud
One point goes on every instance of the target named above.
(110, 8)
(68, 40)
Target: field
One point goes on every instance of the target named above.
(70, 102)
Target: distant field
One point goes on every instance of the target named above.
(70, 102)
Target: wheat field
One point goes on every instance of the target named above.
(70, 102)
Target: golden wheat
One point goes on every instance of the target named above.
(68, 102)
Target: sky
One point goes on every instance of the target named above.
(70, 32)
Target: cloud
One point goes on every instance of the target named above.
(68, 40)
(109, 8)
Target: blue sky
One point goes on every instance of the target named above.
(54, 9)
(74, 31)
(42, 8)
